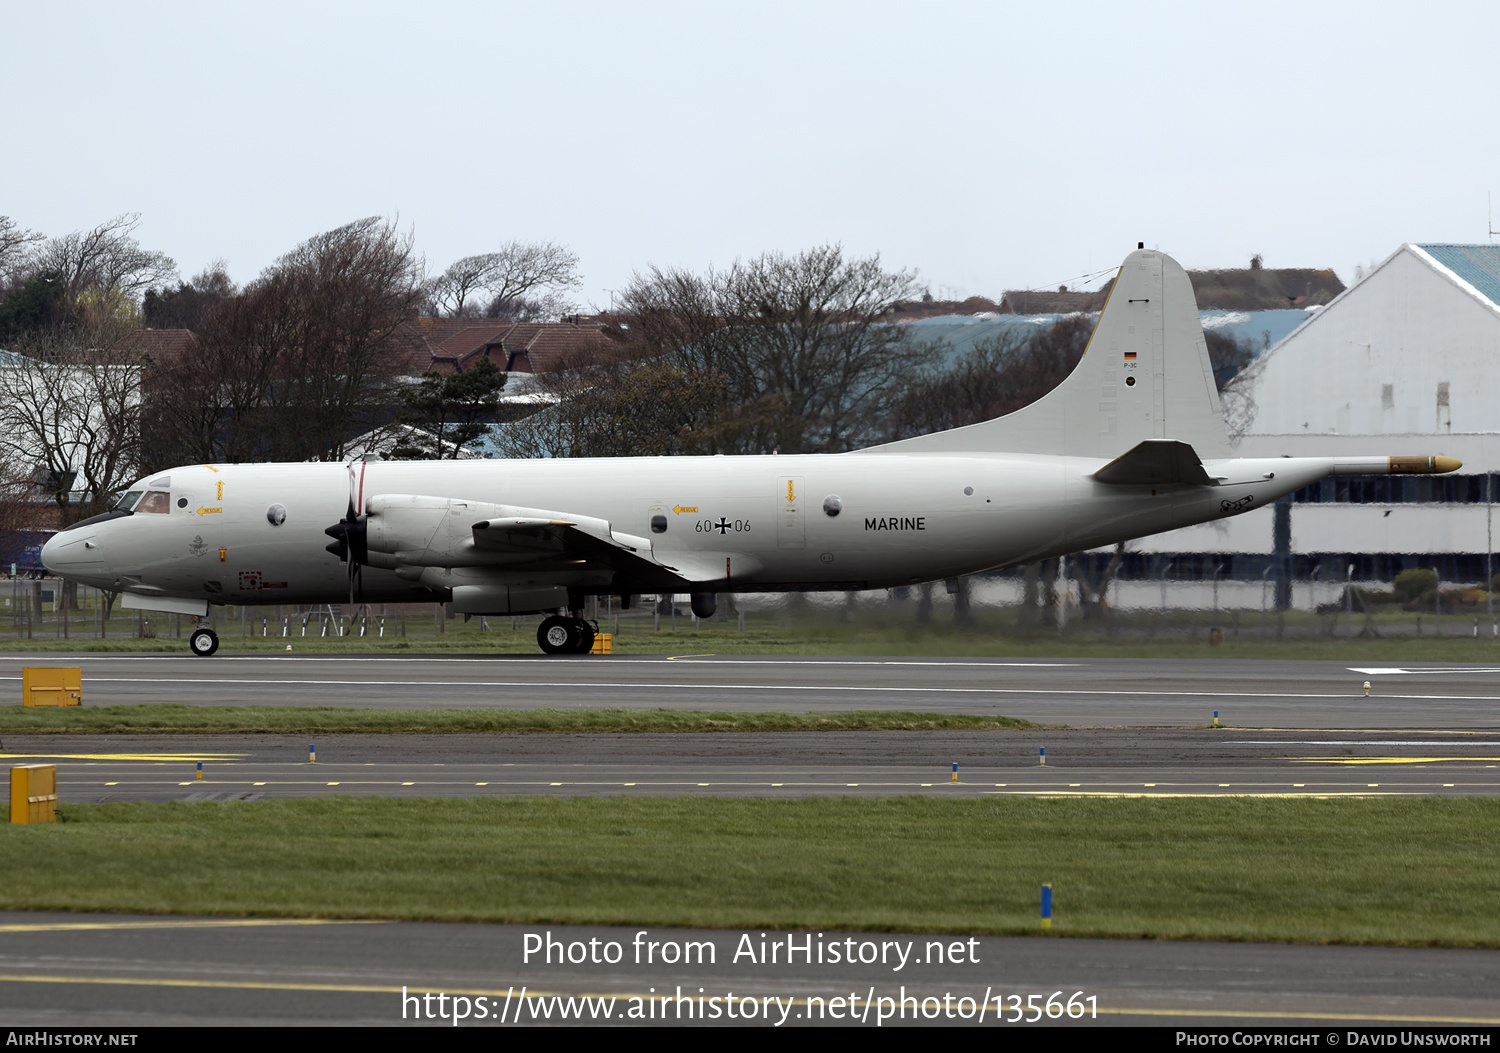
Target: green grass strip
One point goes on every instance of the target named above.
(167, 718)
(1414, 871)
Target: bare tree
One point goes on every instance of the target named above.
(105, 260)
(189, 305)
(301, 362)
(999, 376)
(602, 402)
(70, 414)
(15, 245)
(795, 346)
(529, 279)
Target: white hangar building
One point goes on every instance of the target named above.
(1406, 361)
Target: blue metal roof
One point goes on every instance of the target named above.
(1479, 265)
(1262, 330)
(949, 336)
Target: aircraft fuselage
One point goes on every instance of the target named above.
(732, 524)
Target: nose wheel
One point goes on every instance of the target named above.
(559, 635)
(203, 642)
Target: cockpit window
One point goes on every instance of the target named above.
(127, 501)
(155, 501)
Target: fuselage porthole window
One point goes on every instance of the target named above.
(832, 506)
(276, 515)
(658, 524)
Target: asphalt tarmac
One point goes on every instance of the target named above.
(1109, 761)
(130, 971)
(1140, 728)
(1092, 692)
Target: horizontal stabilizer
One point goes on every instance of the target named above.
(1155, 461)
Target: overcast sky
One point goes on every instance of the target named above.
(986, 146)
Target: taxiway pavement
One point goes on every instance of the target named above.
(1096, 692)
(70, 970)
(1080, 762)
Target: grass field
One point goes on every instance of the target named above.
(1413, 871)
(167, 718)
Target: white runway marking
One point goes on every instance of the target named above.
(1422, 672)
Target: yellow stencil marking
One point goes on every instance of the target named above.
(219, 496)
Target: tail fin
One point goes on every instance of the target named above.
(1144, 375)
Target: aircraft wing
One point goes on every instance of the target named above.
(412, 530)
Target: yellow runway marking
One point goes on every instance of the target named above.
(625, 996)
(220, 923)
(1386, 760)
(181, 758)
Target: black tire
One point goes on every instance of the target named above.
(558, 635)
(585, 644)
(203, 642)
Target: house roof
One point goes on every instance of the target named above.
(159, 345)
(1479, 265)
(446, 345)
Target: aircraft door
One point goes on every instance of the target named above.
(791, 529)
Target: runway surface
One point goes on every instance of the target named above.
(123, 971)
(1096, 692)
(1138, 762)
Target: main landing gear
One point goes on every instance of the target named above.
(559, 635)
(203, 642)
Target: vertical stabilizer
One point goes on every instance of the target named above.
(1145, 375)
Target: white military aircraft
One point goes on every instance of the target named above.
(1133, 442)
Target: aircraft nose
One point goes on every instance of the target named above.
(49, 554)
(73, 553)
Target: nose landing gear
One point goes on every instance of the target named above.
(559, 635)
(203, 642)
